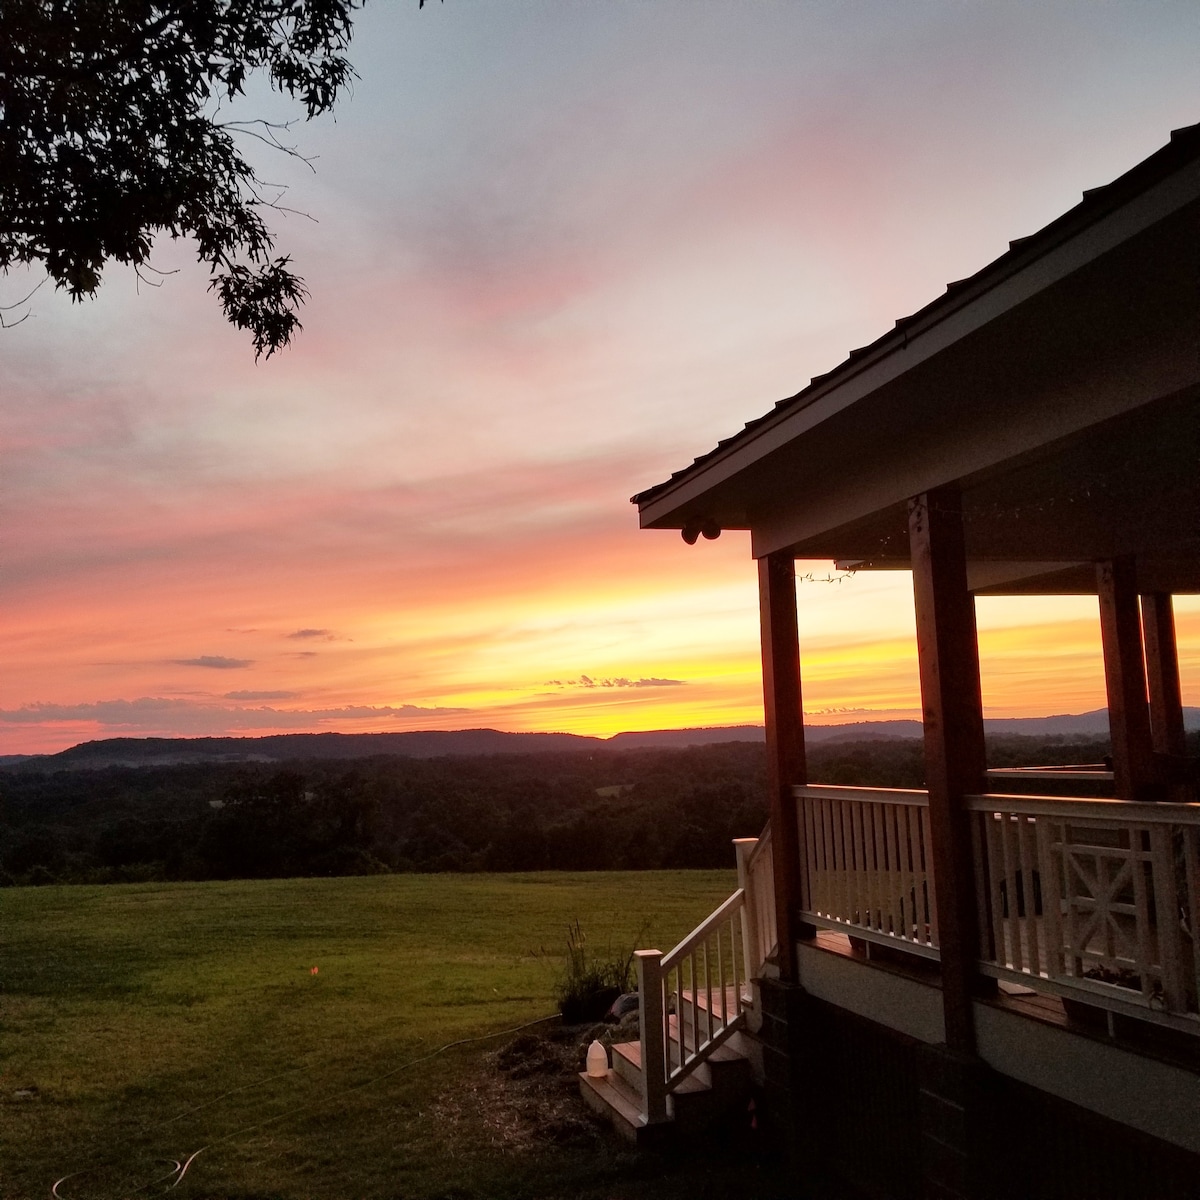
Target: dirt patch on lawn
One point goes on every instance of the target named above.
(525, 1096)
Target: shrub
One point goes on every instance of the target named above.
(589, 985)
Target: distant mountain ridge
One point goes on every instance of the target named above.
(285, 747)
(429, 743)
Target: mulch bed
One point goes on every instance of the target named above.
(526, 1096)
(523, 1104)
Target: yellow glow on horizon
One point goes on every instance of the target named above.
(516, 658)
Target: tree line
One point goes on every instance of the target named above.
(580, 811)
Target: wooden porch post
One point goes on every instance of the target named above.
(1162, 670)
(785, 741)
(955, 761)
(1124, 677)
(1167, 736)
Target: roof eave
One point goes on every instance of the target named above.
(684, 497)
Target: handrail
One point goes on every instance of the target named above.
(1087, 770)
(915, 797)
(1126, 812)
(1057, 769)
(703, 930)
(1074, 775)
(705, 974)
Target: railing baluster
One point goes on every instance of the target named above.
(1074, 928)
(743, 985)
(875, 853)
(816, 849)
(766, 908)
(866, 882)
(855, 854)
(695, 981)
(927, 878)
(839, 883)
(726, 1017)
(850, 908)
(1052, 891)
(912, 927)
(993, 831)
(887, 916)
(1166, 905)
(862, 846)
(708, 992)
(744, 991)
(1028, 894)
(1012, 923)
(808, 884)
(833, 873)
(887, 821)
(841, 860)
(679, 1017)
(895, 921)
(1191, 866)
(987, 949)
(1141, 900)
(721, 958)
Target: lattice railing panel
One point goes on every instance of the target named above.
(1095, 896)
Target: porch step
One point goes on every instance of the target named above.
(725, 1072)
(612, 1097)
(695, 1104)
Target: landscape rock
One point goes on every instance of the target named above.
(621, 1007)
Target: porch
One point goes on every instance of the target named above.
(1033, 431)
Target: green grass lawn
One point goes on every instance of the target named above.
(146, 1022)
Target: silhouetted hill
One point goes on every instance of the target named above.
(686, 737)
(862, 731)
(1066, 725)
(292, 747)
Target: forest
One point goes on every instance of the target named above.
(573, 810)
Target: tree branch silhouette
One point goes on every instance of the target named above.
(109, 137)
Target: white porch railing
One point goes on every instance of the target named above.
(1092, 899)
(691, 1000)
(1095, 900)
(868, 867)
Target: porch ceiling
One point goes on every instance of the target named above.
(1130, 485)
(1060, 388)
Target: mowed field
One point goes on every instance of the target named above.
(268, 1024)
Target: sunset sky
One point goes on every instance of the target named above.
(556, 249)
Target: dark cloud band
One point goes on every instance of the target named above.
(216, 662)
